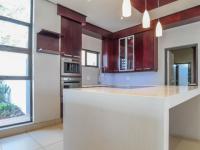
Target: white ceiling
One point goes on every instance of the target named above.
(107, 13)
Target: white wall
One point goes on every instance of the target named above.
(46, 67)
(90, 75)
(184, 119)
(179, 36)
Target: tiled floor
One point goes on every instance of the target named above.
(183, 144)
(51, 138)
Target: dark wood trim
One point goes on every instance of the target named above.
(181, 18)
(71, 14)
(178, 19)
(49, 33)
(151, 4)
(95, 31)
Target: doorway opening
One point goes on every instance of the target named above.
(181, 66)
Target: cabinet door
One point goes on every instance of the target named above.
(71, 41)
(130, 53)
(107, 47)
(76, 34)
(149, 50)
(138, 52)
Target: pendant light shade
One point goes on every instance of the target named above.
(126, 8)
(159, 29)
(146, 19)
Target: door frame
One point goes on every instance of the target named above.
(195, 55)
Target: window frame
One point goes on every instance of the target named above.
(27, 51)
(93, 52)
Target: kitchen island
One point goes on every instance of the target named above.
(125, 118)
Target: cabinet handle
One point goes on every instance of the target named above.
(147, 68)
(67, 55)
(138, 69)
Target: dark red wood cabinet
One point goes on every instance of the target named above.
(150, 50)
(109, 55)
(107, 50)
(138, 50)
(71, 40)
(145, 53)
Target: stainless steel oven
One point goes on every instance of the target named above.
(70, 67)
(71, 82)
(66, 83)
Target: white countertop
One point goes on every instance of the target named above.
(149, 91)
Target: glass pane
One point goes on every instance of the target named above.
(13, 35)
(183, 74)
(13, 64)
(130, 54)
(16, 9)
(122, 54)
(83, 58)
(14, 102)
(91, 59)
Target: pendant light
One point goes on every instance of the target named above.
(159, 29)
(146, 17)
(126, 8)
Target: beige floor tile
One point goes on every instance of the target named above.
(19, 142)
(57, 146)
(188, 145)
(174, 142)
(47, 136)
(177, 143)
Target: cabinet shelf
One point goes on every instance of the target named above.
(49, 33)
(48, 42)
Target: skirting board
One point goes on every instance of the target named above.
(27, 127)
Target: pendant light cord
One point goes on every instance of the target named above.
(146, 4)
(158, 7)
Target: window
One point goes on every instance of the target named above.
(15, 62)
(90, 58)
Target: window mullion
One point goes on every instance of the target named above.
(14, 21)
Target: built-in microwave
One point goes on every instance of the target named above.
(70, 67)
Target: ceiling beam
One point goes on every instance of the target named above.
(151, 4)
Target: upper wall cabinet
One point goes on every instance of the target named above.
(71, 31)
(71, 40)
(126, 54)
(109, 54)
(146, 51)
(131, 54)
